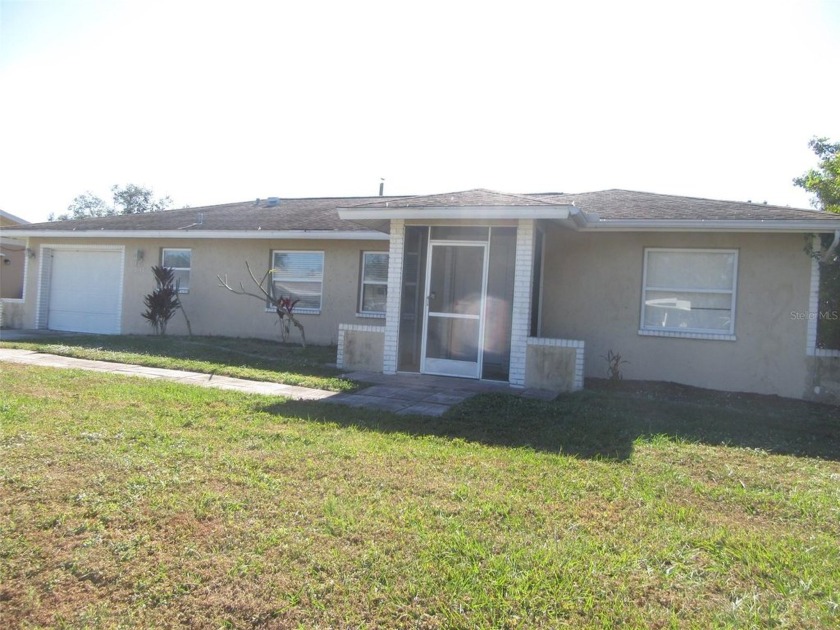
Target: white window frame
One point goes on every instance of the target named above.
(689, 333)
(187, 269)
(362, 282)
(303, 310)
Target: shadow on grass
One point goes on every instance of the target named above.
(605, 421)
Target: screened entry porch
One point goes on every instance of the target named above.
(457, 301)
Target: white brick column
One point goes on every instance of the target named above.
(521, 318)
(393, 304)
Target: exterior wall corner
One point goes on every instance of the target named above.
(521, 316)
(394, 300)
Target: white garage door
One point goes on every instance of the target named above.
(86, 291)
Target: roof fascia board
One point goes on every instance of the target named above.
(208, 234)
(459, 212)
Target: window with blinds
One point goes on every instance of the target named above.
(300, 275)
(689, 290)
(373, 292)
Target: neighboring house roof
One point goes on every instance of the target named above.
(8, 219)
(367, 217)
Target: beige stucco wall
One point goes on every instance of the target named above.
(592, 291)
(11, 272)
(213, 310)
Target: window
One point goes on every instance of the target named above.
(374, 289)
(299, 275)
(179, 260)
(824, 310)
(690, 291)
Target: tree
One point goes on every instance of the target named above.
(137, 200)
(128, 199)
(823, 182)
(284, 306)
(85, 206)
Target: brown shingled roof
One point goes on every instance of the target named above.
(285, 214)
(461, 199)
(320, 213)
(617, 204)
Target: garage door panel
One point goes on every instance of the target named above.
(86, 291)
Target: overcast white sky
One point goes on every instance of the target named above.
(214, 102)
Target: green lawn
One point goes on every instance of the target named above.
(134, 503)
(254, 359)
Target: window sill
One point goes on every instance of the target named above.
(371, 315)
(299, 311)
(823, 352)
(687, 335)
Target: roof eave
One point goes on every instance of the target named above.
(324, 235)
(709, 225)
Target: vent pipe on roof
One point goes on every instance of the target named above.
(381, 186)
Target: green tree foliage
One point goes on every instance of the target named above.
(128, 199)
(131, 199)
(85, 206)
(824, 181)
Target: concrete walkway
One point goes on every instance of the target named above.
(403, 394)
(29, 357)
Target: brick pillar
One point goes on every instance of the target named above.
(521, 318)
(393, 305)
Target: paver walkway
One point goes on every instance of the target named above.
(423, 394)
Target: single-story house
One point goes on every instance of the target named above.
(12, 267)
(535, 290)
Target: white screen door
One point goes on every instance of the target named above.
(456, 282)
